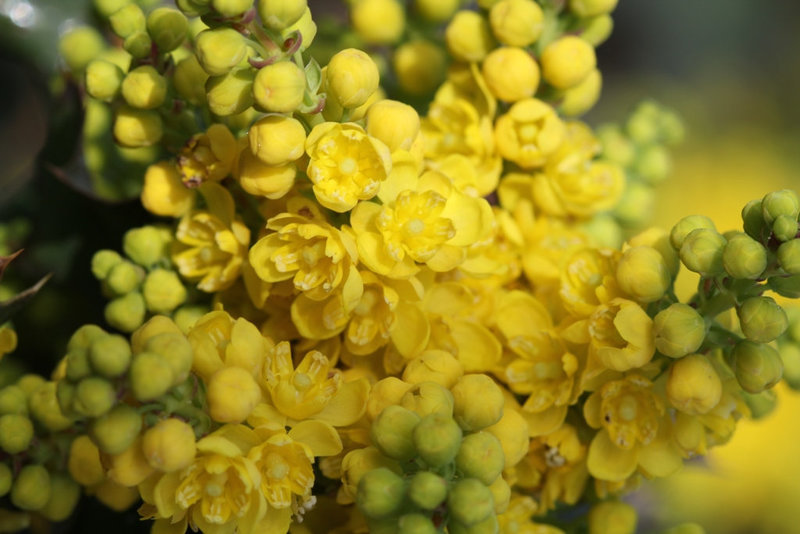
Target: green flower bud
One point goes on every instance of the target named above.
(481, 456)
(279, 14)
(685, 528)
(103, 261)
(230, 94)
(64, 496)
(80, 46)
(653, 164)
(31, 489)
(471, 415)
(777, 203)
(437, 438)
(685, 227)
(753, 220)
(30, 383)
(103, 80)
(616, 145)
(415, 523)
(110, 355)
(193, 8)
(279, 87)
(43, 406)
(16, 433)
(13, 400)
(144, 88)
(427, 398)
(114, 432)
(392, 432)
(219, 50)
(636, 204)
(231, 8)
(145, 245)
(642, 126)
(762, 319)
(127, 20)
(167, 27)
(84, 336)
(612, 517)
(380, 493)
(643, 274)
(761, 404)
(6, 479)
(470, 501)
(150, 376)
(94, 396)
(186, 316)
(679, 330)
(790, 356)
(190, 79)
(427, 490)
(789, 256)
(137, 127)
(591, 8)
(138, 44)
(702, 250)
(744, 257)
(175, 350)
(77, 364)
(757, 366)
(126, 313)
(123, 278)
(163, 291)
(784, 228)
(65, 395)
(596, 30)
(487, 526)
(106, 8)
(351, 77)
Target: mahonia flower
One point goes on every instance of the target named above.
(516, 519)
(218, 340)
(211, 245)
(588, 278)
(529, 133)
(346, 165)
(373, 317)
(326, 318)
(285, 468)
(208, 156)
(621, 335)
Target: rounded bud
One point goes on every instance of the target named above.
(437, 439)
(591, 8)
(305, 26)
(790, 356)
(167, 27)
(436, 10)
(80, 46)
(231, 93)
(150, 376)
(516, 22)
(189, 80)
(30, 383)
(43, 406)
(175, 350)
(279, 87)
(169, 445)
(596, 30)
(77, 364)
(567, 61)
(279, 15)
(260, 179)
(510, 73)
(65, 395)
(94, 396)
(6, 479)
(427, 398)
(232, 393)
(380, 493)
(137, 127)
(777, 203)
(481, 456)
(138, 44)
(145, 245)
(415, 523)
(468, 37)
(693, 385)
(130, 467)
(501, 494)
(701, 251)
(685, 226)
(232, 8)
(351, 77)
(784, 228)
(64, 496)
(394, 123)
(123, 278)
(103, 80)
(126, 313)
(392, 432)
(757, 366)
(471, 414)
(470, 501)
(434, 366)
(13, 400)
(31, 489)
(760, 404)
(643, 274)
(219, 50)
(16, 433)
(103, 261)
(581, 98)
(127, 20)
(164, 193)
(427, 490)
(789, 256)
(83, 462)
(114, 432)
(679, 330)
(612, 517)
(753, 220)
(653, 164)
(277, 139)
(762, 319)
(744, 257)
(391, 14)
(163, 291)
(419, 66)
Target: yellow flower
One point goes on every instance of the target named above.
(208, 156)
(588, 279)
(528, 133)
(517, 518)
(621, 335)
(285, 468)
(326, 318)
(346, 165)
(210, 246)
(260, 179)
(164, 193)
(373, 316)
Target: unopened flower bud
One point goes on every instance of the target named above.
(394, 123)
(471, 415)
(219, 50)
(80, 46)
(167, 27)
(83, 462)
(596, 30)
(468, 36)
(567, 61)
(470, 501)
(230, 93)
(762, 319)
(427, 490)
(43, 406)
(189, 80)
(130, 467)
(434, 366)
(30, 383)
(16, 433)
(64, 496)
(516, 22)
(380, 493)
(679, 330)
(693, 385)
(6, 479)
(31, 489)
(510, 73)
(753, 220)
(591, 8)
(277, 139)
(138, 44)
(789, 256)
(232, 393)
(103, 80)
(137, 127)
(260, 179)
(784, 228)
(103, 261)
(94, 396)
(365, 15)
(436, 10)
(701, 251)
(437, 439)
(643, 274)
(13, 400)
(581, 98)
(757, 366)
(126, 313)
(501, 494)
(481, 457)
(280, 14)
(77, 365)
(279, 87)
(169, 445)
(232, 8)
(415, 523)
(351, 77)
(115, 431)
(145, 245)
(612, 517)
(760, 404)
(127, 20)
(123, 278)
(392, 432)
(419, 66)
(107, 7)
(164, 193)
(427, 398)
(175, 350)
(685, 226)
(744, 257)
(777, 203)
(163, 291)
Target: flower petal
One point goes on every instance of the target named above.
(606, 461)
(319, 436)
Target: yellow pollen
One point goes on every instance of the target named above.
(627, 408)
(348, 166)
(277, 467)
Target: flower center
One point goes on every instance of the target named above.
(627, 408)
(277, 468)
(348, 166)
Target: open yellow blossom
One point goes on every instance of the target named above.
(285, 467)
(211, 245)
(621, 335)
(208, 156)
(326, 318)
(373, 317)
(346, 164)
(588, 278)
(219, 341)
(528, 133)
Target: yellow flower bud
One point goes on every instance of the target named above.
(219, 50)
(232, 394)
(176, 351)
(94, 396)
(13, 400)
(702, 250)
(103, 80)
(280, 14)
(351, 77)
(437, 438)
(785, 228)
(127, 20)
(612, 517)
(789, 256)
(385, 393)
(777, 203)
(107, 7)
(643, 274)
(190, 79)
(277, 140)
(64, 496)
(163, 291)
(43, 406)
(378, 21)
(511, 73)
(83, 462)
(567, 61)
(138, 44)
(470, 501)
(481, 457)
(130, 467)
(580, 99)
(231, 93)
(123, 278)
(501, 495)
(591, 8)
(231, 8)
(30, 383)
(137, 127)
(167, 27)
(164, 193)
(150, 376)
(16, 432)
(115, 431)
(260, 179)
(472, 415)
(411, 523)
(516, 22)
(419, 66)
(80, 46)
(436, 10)
(468, 37)
(685, 528)
(126, 313)
(434, 366)
(693, 385)
(685, 226)
(169, 445)
(31, 489)
(678, 330)
(428, 397)
(279, 87)
(394, 123)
